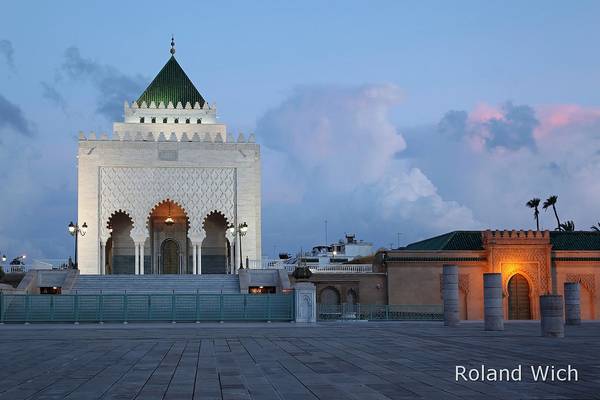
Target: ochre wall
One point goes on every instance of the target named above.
(370, 288)
(588, 274)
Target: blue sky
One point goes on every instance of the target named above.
(378, 76)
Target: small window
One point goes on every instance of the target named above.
(176, 120)
(153, 120)
(199, 121)
(187, 120)
(164, 120)
(141, 120)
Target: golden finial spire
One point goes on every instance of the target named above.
(172, 51)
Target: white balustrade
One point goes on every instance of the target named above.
(314, 267)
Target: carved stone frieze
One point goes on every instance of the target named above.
(136, 191)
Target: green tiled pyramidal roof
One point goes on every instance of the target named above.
(171, 85)
(472, 240)
(457, 240)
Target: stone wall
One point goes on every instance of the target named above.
(241, 158)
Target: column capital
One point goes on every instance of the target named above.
(139, 239)
(197, 237)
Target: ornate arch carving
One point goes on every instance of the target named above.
(529, 277)
(197, 190)
(105, 226)
(588, 281)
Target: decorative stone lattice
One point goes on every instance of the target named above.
(136, 191)
(586, 280)
(464, 281)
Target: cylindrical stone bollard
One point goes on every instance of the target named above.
(552, 319)
(450, 294)
(492, 302)
(572, 304)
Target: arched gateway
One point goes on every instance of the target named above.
(170, 155)
(518, 298)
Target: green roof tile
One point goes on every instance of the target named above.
(472, 240)
(579, 240)
(457, 240)
(171, 85)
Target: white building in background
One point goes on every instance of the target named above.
(159, 194)
(341, 252)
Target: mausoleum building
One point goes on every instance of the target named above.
(159, 195)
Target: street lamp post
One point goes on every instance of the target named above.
(3, 261)
(75, 231)
(240, 230)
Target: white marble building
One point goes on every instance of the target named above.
(159, 194)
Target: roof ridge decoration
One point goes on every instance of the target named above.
(171, 86)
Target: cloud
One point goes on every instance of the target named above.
(508, 128)
(537, 151)
(114, 87)
(50, 93)
(7, 51)
(332, 152)
(11, 117)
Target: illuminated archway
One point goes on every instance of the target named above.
(168, 246)
(519, 300)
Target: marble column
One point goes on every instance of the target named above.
(102, 258)
(552, 321)
(572, 303)
(231, 255)
(199, 259)
(137, 259)
(450, 294)
(493, 310)
(142, 258)
(194, 258)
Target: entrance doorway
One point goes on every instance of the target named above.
(518, 298)
(170, 257)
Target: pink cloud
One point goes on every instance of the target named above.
(558, 116)
(484, 112)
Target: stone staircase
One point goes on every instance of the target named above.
(109, 284)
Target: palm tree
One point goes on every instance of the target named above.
(596, 228)
(551, 202)
(568, 226)
(534, 203)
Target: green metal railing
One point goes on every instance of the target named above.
(175, 307)
(383, 312)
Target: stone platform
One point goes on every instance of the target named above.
(352, 360)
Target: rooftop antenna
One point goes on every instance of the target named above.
(172, 51)
(326, 233)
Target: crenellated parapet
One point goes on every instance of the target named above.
(491, 237)
(162, 136)
(170, 113)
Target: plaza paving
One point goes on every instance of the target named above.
(352, 360)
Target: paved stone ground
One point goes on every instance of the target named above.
(352, 360)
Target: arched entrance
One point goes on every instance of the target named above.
(168, 247)
(330, 296)
(214, 246)
(170, 257)
(120, 248)
(519, 305)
